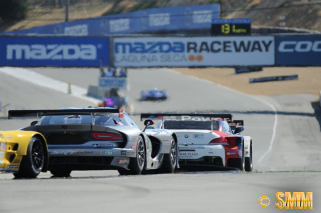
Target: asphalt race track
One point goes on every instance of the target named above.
(285, 132)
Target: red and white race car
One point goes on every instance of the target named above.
(208, 139)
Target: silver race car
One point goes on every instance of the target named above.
(101, 139)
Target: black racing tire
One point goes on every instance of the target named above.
(169, 160)
(240, 163)
(249, 161)
(33, 162)
(60, 173)
(138, 164)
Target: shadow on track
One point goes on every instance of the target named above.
(200, 168)
(317, 111)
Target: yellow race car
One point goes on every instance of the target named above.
(24, 153)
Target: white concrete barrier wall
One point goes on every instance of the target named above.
(94, 92)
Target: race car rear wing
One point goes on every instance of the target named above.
(187, 117)
(236, 123)
(39, 113)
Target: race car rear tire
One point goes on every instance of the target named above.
(60, 173)
(169, 160)
(248, 162)
(138, 164)
(240, 162)
(32, 163)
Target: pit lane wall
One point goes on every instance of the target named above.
(229, 51)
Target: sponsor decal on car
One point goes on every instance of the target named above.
(132, 145)
(106, 152)
(16, 161)
(188, 154)
(1, 154)
(101, 145)
(122, 161)
(198, 136)
(9, 136)
(70, 152)
(1, 162)
(12, 167)
(231, 153)
(127, 153)
(3, 146)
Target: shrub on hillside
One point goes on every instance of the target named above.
(13, 9)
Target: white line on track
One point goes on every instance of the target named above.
(44, 81)
(255, 98)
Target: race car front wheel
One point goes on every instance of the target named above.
(32, 163)
(137, 164)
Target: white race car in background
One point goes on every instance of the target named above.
(208, 139)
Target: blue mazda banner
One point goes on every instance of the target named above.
(54, 51)
(186, 17)
(298, 50)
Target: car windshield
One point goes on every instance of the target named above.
(103, 120)
(202, 125)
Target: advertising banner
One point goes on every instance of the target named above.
(186, 17)
(298, 50)
(239, 70)
(274, 78)
(194, 51)
(107, 83)
(54, 51)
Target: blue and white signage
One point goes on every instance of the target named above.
(186, 17)
(107, 83)
(194, 51)
(298, 50)
(54, 51)
(232, 21)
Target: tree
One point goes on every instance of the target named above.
(11, 10)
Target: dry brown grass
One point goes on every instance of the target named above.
(40, 16)
(309, 79)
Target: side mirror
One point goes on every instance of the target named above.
(238, 129)
(148, 123)
(33, 123)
